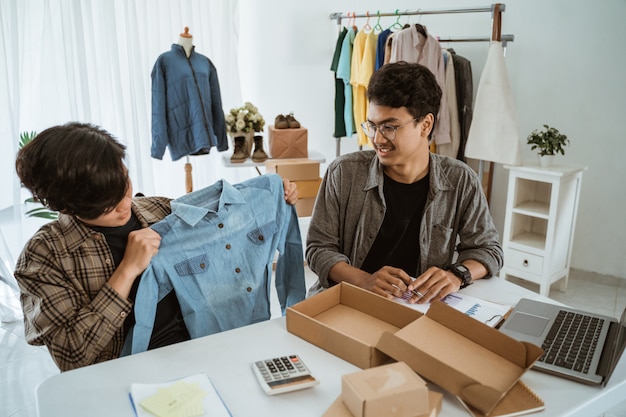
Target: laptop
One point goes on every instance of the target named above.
(589, 358)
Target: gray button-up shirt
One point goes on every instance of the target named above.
(350, 209)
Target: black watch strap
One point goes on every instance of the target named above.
(463, 273)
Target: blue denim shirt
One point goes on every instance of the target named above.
(217, 251)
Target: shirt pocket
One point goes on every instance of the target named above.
(440, 243)
(264, 233)
(189, 270)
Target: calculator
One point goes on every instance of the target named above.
(283, 374)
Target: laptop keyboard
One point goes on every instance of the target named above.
(571, 341)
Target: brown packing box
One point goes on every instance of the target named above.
(296, 169)
(304, 206)
(347, 321)
(392, 390)
(308, 188)
(339, 409)
(288, 143)
(462, 355)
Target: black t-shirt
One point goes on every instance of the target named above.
(169, 326)
(397, 242)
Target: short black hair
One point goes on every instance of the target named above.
(402, 84)
(75, 168)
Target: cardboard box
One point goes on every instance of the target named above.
(288, 143)
(348, 321)
(308, 188)
(339, 409)
(304, 206)
(462, 355)
(297, 169)
(393, 390)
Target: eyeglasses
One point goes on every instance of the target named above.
(387, 131)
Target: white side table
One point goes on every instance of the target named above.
(541, 209)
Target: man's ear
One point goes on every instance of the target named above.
(427, 124)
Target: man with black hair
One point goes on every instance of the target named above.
(400, 218)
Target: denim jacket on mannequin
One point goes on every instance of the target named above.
(217, 252)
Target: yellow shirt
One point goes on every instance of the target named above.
(362, 68)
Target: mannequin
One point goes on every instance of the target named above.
(186, 41)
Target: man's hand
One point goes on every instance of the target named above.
(142, 245)
(387, 281)
(434, 284)
(291, 191)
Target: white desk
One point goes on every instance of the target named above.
(102, 390)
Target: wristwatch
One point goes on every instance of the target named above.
(462, 272)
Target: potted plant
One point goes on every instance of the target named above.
(549, 142)
(39, 210)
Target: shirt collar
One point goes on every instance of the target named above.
(191, 208)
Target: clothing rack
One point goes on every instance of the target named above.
(495, 9)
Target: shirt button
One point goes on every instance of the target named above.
(202, 265)
(123, 314)
(221, 225)
(249, 289)
(96, 236)
(237, 270)
(228, 246)
(261, 237)
(107, 261)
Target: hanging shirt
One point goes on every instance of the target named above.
(451, 149)
(187, 113)
(217, 252)
(381, 46)
(340, 98)
(343, 73)
(412, 46)
(363, 61)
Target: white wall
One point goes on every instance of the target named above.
(565, 68)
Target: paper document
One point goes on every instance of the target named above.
(193, 396)
(485, 311)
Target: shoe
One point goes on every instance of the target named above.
(292, 122)
(281, 122)
(239, 154)
(259, 154)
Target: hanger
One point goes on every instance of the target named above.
(367, 26)
(352, 21)
(397, 24)
(377, 26)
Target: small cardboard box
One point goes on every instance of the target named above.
(297, 169)
(392, 390)
(308, 188)
(304, 206)
(348, 321)
(288, 143)
(462, 355)
(339, 409)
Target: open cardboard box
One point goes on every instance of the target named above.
(348, 321)
(460, 354)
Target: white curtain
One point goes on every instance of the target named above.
(90, 61)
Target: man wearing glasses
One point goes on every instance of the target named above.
(399, 218)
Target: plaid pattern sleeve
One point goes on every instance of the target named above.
(68, 304)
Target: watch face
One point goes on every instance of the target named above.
(462, 268)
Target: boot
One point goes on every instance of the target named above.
(259, 154)
(239, 154)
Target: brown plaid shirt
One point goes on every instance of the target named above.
(68, 304)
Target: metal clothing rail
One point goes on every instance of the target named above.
(495, 9)
(338, 15)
